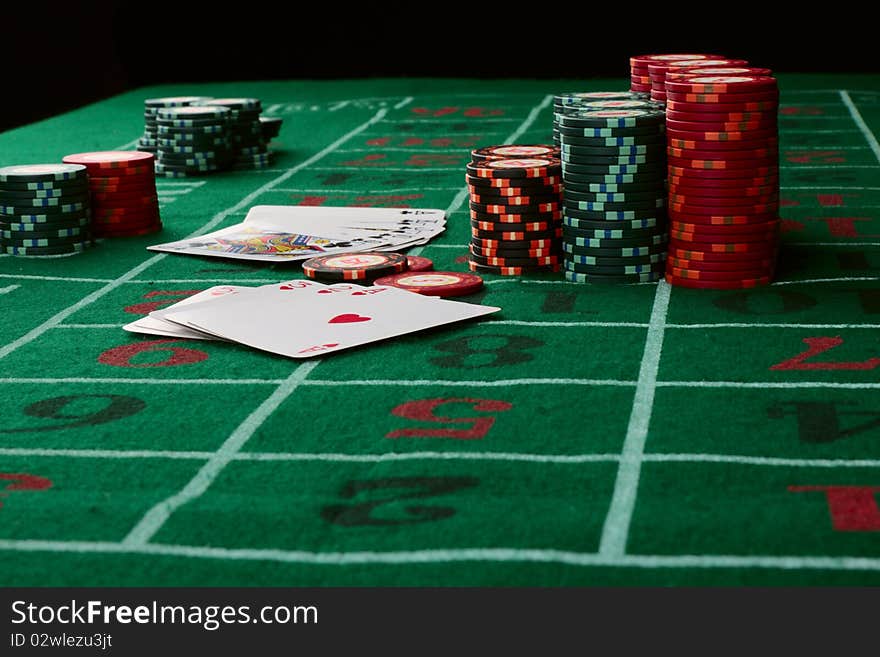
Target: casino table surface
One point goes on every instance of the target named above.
(585, 435)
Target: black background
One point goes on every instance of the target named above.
(57, 56)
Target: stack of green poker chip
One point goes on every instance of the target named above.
(149, 141)
(44, 210)
(615, 221)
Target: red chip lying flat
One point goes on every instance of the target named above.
(435, 283)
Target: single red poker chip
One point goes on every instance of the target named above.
(526, 227)
(714, 210)
(519, 183)
(766, 264)
(701, 118)
(724, 201)
(644, 61)
(708, 275)
(718, 285)
(516, 168)
(516, 218)
(704, 153)
(725, 136)
(104, 160)
(689, 252)
(722, 174)
(723, 149)
(419, 263)
(701, 128)
(516, 192)
(514, 201)
(730, 218)
(762, 228)
(495, 261)
(721, 184)
(512, 271)
(686, 73)
(722, 99)
(514, 253)
(491, 243)
(760, 249)
(640, 87)
(514, 151)
(506, 209)
(754, 85)
(435, 283)
(769, 237)
(704, 163)
(665, 68)
(694, 188)
(734, 105)
(516, 236)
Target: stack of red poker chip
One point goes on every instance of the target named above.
(722, 142)
(640, 73)
(515, 209)
(122, 188)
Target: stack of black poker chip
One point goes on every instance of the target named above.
(193, 140)
(515, 209)
(249, 145)
(44, 210)
(149, 141)
(615, 225)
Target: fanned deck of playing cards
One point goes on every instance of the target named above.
(304, 318)
(279, 233)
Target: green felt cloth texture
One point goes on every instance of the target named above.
(583, 436)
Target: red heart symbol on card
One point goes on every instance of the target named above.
(325, 291)
(348, 318)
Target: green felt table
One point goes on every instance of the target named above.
(631, 435)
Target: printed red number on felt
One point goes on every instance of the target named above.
(423, 411)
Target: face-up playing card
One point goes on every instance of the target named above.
(313, 321)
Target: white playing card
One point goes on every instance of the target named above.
(153, 324)
(338, 317)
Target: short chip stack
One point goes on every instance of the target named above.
(122, 190)
(149, 142)
(643, 80)
(44, 210)
(723, 181)
(614, 171)
(515, 209)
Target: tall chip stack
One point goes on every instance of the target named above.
(614, 191)
(44, 210)
(723, 180)
(515, 209)
(122, 192)
(149, 142)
